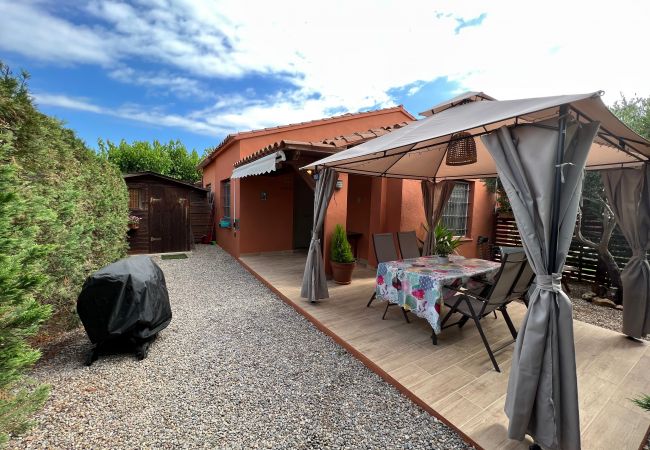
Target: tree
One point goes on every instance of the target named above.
(63, 215)
(21, 276)
(635, 112)
(171, 159)
(594, 204)
(493, 186)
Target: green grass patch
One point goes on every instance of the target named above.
(174, 256)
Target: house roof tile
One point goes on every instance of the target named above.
(251, 133)
(330, 145)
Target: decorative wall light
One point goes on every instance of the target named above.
(461, 149)
(264, 195)
(339, 184)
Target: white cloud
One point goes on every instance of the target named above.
(181, 86)
(62, 101)
(131, 112)
(347, 55)
(26, 28)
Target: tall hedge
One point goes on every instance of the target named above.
(63, 214)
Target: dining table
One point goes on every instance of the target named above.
(420, 285)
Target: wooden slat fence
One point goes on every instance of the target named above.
(584, 259)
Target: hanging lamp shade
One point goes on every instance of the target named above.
(461, 150)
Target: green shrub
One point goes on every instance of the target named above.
(63, 215)
(341, 250)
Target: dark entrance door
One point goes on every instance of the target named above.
(169, 229)
(303, 213)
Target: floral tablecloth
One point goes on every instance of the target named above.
(418, 284)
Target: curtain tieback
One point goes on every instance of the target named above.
(561, 166)
(315, 238)
(551, 283)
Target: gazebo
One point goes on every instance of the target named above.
(539, 148)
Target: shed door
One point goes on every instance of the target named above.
(169, 228)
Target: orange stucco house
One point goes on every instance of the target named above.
(264, 203)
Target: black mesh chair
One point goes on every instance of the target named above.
(385, 251)
(408, 244)
(501, 292)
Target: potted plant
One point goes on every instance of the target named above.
(134, 222)
(446, 243)
(341, 257)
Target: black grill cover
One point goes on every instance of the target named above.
(126, 299)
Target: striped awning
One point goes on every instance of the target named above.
(259, 166)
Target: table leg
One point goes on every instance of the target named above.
(434, 338)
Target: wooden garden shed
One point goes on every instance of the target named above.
(173, 214)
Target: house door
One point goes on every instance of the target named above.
(303, 213)
(169, 229)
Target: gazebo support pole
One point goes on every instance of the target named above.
(557, 189)
(555, 208)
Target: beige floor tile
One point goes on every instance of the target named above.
(457, 409)
(410, 375)
(442, 359)
(594, 394)
(487, 388)
(442, 384)
(619, 356)
(615, 427)
(490, 429)
(400, 358)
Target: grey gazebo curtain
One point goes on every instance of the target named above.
(542, 396)
(314, 282)
(628, 193)
(434, 197)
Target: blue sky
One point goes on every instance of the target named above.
(197, 70)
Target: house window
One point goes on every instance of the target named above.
(455, 214)
(225, 198)
(134, 198)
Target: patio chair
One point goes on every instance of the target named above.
(408, 244)
(385, 251)
(523, 284)
(525, 280)
(501, 292)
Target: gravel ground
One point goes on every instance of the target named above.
(601, 316)
(236, 368)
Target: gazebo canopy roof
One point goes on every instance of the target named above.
(418, 150)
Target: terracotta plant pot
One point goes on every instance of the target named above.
(342, 272)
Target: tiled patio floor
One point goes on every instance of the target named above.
(456, 377)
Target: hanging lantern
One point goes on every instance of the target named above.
(461, 149)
